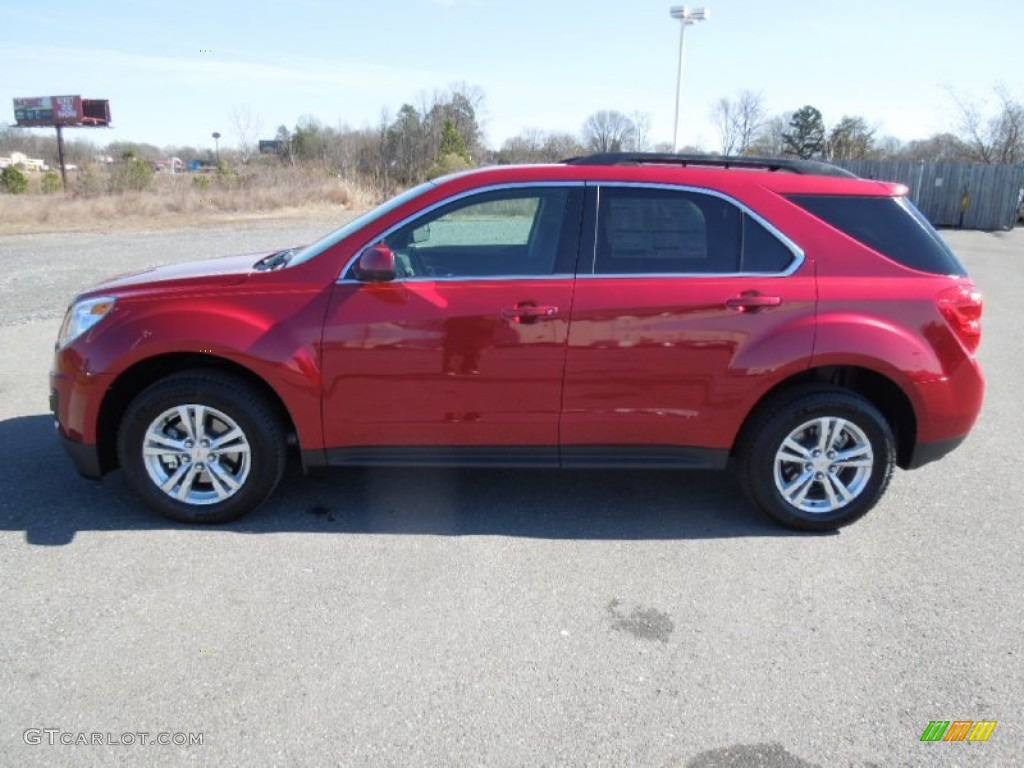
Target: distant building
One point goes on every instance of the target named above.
(23, 162)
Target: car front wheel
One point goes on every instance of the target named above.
(202, 447)
(817, 458)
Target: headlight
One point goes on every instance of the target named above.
(83, 315)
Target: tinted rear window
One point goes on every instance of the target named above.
(892, 226)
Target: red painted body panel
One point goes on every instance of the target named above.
(437, 363)
(268, 323)
(894, 328)
(662, 361)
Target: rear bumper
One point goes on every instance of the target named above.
(926, 453)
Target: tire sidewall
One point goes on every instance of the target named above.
(263, 473)
(769, 439)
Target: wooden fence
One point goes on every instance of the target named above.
(939, 190)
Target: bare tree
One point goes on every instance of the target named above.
(640, 141)
(247, 126)
(941, 146)
(889, 148)
(723, 118)
(527, 147)
(771, 140)
(561, 146)
(995, 137)
(536, 146)
(607, 131)
(463, 104)
(739, 121)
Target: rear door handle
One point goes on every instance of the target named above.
(529, 313)
(752, 301)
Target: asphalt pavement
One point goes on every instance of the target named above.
(498, 618)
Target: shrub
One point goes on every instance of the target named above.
(132, 174)
(87, 181)
(201, 182)
(449, 163)
(14, 181)
(226, 174)
(50, 183)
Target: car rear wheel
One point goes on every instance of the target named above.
(816, 458)
(202, 447)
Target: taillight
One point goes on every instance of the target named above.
(961, 306)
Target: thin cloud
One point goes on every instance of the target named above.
(203, 72)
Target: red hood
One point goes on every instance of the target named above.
(228, 270)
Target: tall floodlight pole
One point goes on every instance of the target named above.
(686, 17)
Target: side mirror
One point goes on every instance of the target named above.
(376, 264)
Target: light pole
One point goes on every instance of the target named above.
(687, 17)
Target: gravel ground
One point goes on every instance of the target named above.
(385, 617)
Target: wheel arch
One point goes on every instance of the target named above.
(884, 393)
(142, 374)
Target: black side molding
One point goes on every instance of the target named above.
(643, 457)
(576, 457)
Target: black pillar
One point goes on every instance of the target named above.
(60, 157)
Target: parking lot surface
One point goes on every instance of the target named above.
(432, 617)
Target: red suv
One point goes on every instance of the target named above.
(660, 311)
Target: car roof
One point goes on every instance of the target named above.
(729, 176)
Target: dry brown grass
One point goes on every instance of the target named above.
(183, 200)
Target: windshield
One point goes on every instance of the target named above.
(315, 249)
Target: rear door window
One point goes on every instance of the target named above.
(652, 231)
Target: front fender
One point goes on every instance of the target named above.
(275, 337)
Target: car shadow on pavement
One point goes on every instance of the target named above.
(43, 496)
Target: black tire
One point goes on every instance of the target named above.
(234, 399)
(778, 419)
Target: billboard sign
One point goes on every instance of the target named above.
(48, 110)
(61, 110)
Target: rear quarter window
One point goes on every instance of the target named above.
(892, 226)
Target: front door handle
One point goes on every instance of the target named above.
(751, 302)
(529, 313)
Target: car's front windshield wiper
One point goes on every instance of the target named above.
(274, 260)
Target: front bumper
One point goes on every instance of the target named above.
(85, 457)
(75, 399)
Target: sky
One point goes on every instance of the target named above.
(175, 71)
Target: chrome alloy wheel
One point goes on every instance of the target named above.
(823, 465)
(196, 454)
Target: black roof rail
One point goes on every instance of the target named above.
(784, 164)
